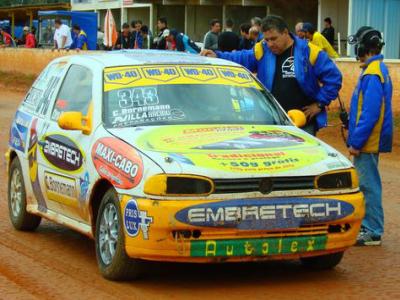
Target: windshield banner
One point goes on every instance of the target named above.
(122, 77)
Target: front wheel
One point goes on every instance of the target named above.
(113, 262)
(323, 262)
(20, 218)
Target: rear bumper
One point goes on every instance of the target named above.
(154, 231)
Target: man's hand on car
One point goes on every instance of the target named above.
(208, 53)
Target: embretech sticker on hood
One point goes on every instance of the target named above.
(234, 148)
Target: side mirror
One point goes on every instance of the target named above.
(298, 117)
(73, 120)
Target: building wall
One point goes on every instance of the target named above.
(384, 15)
(337, 10)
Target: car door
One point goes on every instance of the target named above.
(64, 152)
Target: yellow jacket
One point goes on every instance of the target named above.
(320, 41)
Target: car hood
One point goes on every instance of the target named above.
(234, 151)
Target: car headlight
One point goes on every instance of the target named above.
(178, 185)
(342, 179)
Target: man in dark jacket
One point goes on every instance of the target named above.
(329, 31)
(228, 40)
(159, 41)
(299, 74)
(124, 40)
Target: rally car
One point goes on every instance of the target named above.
(174, 157)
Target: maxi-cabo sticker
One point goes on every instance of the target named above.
(117, 162)
(62, 152)
(263, 214)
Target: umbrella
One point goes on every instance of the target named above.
(110, 30)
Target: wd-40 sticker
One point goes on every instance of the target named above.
(136, 220)
(19, 131)
(122, 77)
(265, 214)
(118, 162)
(61, 152)
(33, 166)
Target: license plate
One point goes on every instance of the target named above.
(257, 247)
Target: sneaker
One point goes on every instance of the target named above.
(366, 238)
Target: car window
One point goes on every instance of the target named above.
(158, 95)
(75, 92)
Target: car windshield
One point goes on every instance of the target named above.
(181, 101)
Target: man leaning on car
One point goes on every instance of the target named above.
(299, 75)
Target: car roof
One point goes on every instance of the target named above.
(142, 57)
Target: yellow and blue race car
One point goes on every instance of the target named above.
(175, 157)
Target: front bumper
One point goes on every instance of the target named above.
(155, 230)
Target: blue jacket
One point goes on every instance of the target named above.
(185, 44)
(316, 73)
(371, 122)
(79, 41)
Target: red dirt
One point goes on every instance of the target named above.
(57, 263)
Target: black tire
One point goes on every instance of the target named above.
(322, 262)
(20, 218)
(120, 267)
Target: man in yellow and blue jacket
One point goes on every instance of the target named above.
(370, 128)
(299, 74)
(79, 38)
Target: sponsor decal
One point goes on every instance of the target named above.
(117, 162)
(62, 152)
(19, 130)
(84, 184)
(257, 247)
(265, 214)
(33, 167)
(136, 220)
(232, 148)
(151, 75)
(60, 188)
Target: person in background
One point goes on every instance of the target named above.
(256, 22)
(309, 88)
(319, 40)
(79, 38)
(181, 42)
(254, 34)
(62, 35)
(329, 31)
(137, 38)
(100, 39)
(245, 42)
(6, 39)
(147, 40)
(228, 40)
(159, 42)
(124, 40)
(370, 128)
(30, 40)
(211, 37)
(299, 30)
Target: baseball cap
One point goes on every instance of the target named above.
(26, 28)
(165, 33)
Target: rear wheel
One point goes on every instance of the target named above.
(20, 218)
(113, 262)
(323, 262)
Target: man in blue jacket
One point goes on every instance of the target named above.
(370, 128)
(299, 75)
(79, 38)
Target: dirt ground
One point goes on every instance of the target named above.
(57, 263)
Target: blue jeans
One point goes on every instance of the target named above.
(370, 184)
